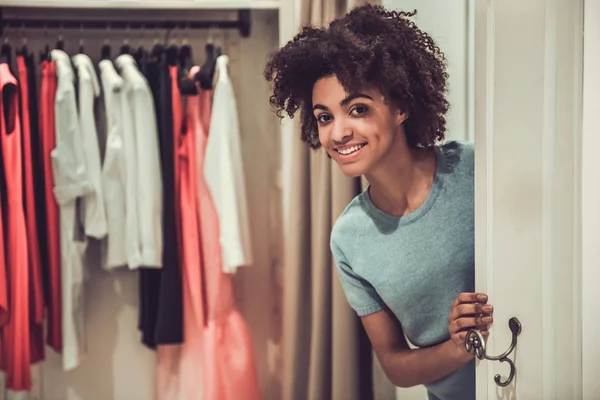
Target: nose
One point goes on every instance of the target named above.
(341, 133)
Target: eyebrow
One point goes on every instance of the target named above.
(346, 100)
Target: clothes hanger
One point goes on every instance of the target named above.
(186, 60)
(60, 43)
(24, 51)
(81, 47)
(45, 54)
(187, 85)
(6, 51)
(207, 70)
(126, 48)
(158, 48)
(7, 89)
(140, 54)
(172, 52)
(105, 50)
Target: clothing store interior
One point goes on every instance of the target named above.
(143, 181)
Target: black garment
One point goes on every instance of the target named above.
(38, 175)
(161, 295)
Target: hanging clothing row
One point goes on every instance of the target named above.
(166, 197)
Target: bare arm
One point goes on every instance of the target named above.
(407, 367)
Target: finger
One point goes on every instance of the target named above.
(469, 323)
(472, 309)
(470, 298)
(464, 310)
(461, 337)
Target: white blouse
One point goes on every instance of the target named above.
(143, 195)
(71, 181)
(94, 220)
(113, 168)
(224, 174)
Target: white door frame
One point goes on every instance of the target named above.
(590, 202)
(533, 44)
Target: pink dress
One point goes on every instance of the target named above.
(229, 363)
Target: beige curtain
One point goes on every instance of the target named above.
(326, 353)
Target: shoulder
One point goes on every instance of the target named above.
(458, 156)
(465, 149)
(349, 226)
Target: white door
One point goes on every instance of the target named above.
(528, 94)
(516, 88)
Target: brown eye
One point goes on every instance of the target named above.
(359, 110)
(324, 118)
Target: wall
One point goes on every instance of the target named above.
(117, 366)
(590, 199)
(447, 22)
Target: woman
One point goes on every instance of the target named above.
(371, 89)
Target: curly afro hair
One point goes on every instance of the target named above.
(369, 46)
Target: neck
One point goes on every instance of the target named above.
(401, 181)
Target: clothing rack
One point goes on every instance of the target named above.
(243, 23)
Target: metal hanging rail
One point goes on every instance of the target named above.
(243, 23)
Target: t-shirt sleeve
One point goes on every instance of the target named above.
(361, 295)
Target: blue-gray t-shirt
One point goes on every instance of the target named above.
(415, 265)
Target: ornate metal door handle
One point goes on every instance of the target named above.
(475, 344)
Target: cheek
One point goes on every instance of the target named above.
(323, 136)
(372, 130)
(386, 130)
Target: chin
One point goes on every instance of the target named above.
(352, 171)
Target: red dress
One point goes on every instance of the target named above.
(15, 335)
(4, 312)
(36, 294)
(48, 142)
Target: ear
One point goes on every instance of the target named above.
(400, 116)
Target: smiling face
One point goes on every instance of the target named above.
(358, 130)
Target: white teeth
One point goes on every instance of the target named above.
(350, 150)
